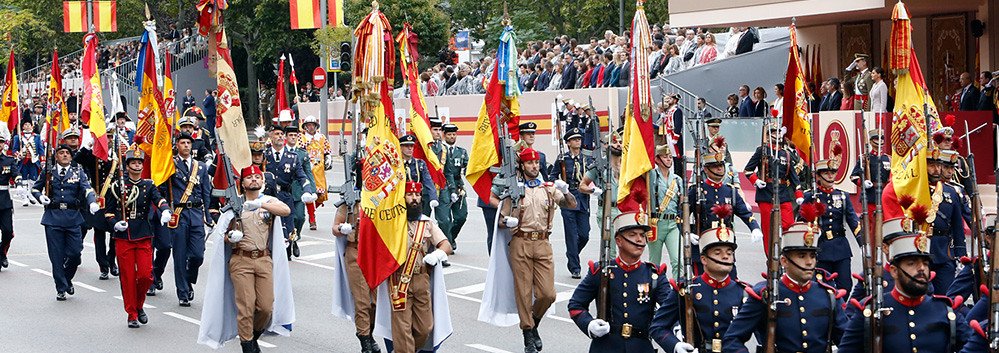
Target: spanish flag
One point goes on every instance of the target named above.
(419, 123)
(500, 106)
(58, 115)
(795, 117)
(382, 237)
(335, 10)
(74, 16)
(913, 106)
(150, 98)
(638, 146)
(93, 100)
(161, 165)
(9, 112)
(305, 14)
(105, 16)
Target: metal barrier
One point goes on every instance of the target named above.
(688, 100)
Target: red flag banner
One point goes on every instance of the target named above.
(419, 122)
(638, 147)
(795, 118)
(92, 113)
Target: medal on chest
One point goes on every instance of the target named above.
(643, 293)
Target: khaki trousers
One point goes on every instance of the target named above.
(533, 278)
(364, 306)
(253, 283)
(411, 327)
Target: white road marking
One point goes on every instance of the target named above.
(559, 318)
(313, 264)
(197, 322)
(486, 348)
(15, 263)
(563, 296)
(453, 270)
(75, 283)
(144, 305)
(487, 270)
(466, 290)
(459, 296)
(319, 256)
(304, 243)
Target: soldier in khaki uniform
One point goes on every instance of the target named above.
(364, 305)
(530, 251)
(251, 266)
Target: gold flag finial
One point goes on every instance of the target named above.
(374, 6)
(506, 16)
(149, 15)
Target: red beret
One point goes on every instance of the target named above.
(412, 186)
(529, 154)
(252, 169)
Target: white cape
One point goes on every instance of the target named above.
(343, 300)
(441, 311)
(218, 314)
(499, 303)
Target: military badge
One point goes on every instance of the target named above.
(922, 243)
(724, 234)
(809, 238)
(643, 293)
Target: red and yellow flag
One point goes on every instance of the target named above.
(9, 112)
(57, 117)
(335, 13)
(93, 100)
(280, 95)
(913, 106)
(500, 106)
(795, 117)
(382, 237)
(419, 123)
(161, 165)
(74, 16)
(105, 16)
(305, 14)
(150, 98)
(638, 146)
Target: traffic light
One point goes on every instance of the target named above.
(345, 52)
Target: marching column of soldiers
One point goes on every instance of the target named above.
(929, 296)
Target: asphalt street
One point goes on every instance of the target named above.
(94, 320)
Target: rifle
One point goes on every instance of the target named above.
(872, 323)
(605, 176)
(686, 276)
(773, 263)
(233, 199)
(560, 118)
(349, 195)
(977, 238)
(507, 178)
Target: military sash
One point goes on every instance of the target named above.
(400, 282)
(191, 180)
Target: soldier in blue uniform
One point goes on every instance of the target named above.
(9, 177)
(877, 177)
(203, 145)
(715, 192)
(257, 158)
(188, 191)
(528, 132)
(809, 313)
(100, 174)
(130, 216)
(834, 248)
(576, 220)
(634, 290)
(915, 320)
(287, 169)
(759, 171)
(416, 170)
(978, 340)
(948, 226)
(967, 281)
(298, 193)
(717, 297)
(64, 188)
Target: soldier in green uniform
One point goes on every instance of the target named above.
(453, 210)
(667, 191)
(592, 184)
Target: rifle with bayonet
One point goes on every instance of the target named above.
(559, 121)
(507, 178)
(686, 275)
(772, 156)
(872, 323)
(349, 194)
(605, 178)
(233, 199)
(977, 236)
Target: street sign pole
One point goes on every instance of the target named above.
(323, 92)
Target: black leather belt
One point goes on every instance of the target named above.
(61, 206)
(628, 331)
(188, 204)
(663, 216)
(253, 254)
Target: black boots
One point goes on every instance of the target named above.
(368, 344)
(249, 346)
(529, 342)
(537, 337)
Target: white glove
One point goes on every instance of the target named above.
(165, 217)
(511, 222)
(94, 207)
(235, 236)
(345, 228)
(683, 347)
(868, 184)
(120, 226)
(756, 235)
(760, 184)
(308, 197)
(693, 238)
(598, 328)
(597, 191)
(45, 200)
(799, 200)
(253, 205)
(561, 186)
(435, 257)
(454, 197)
(434, 203)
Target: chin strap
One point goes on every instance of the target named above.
(795, 264)
(719, 261)
(634, 243)
(911, 278)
